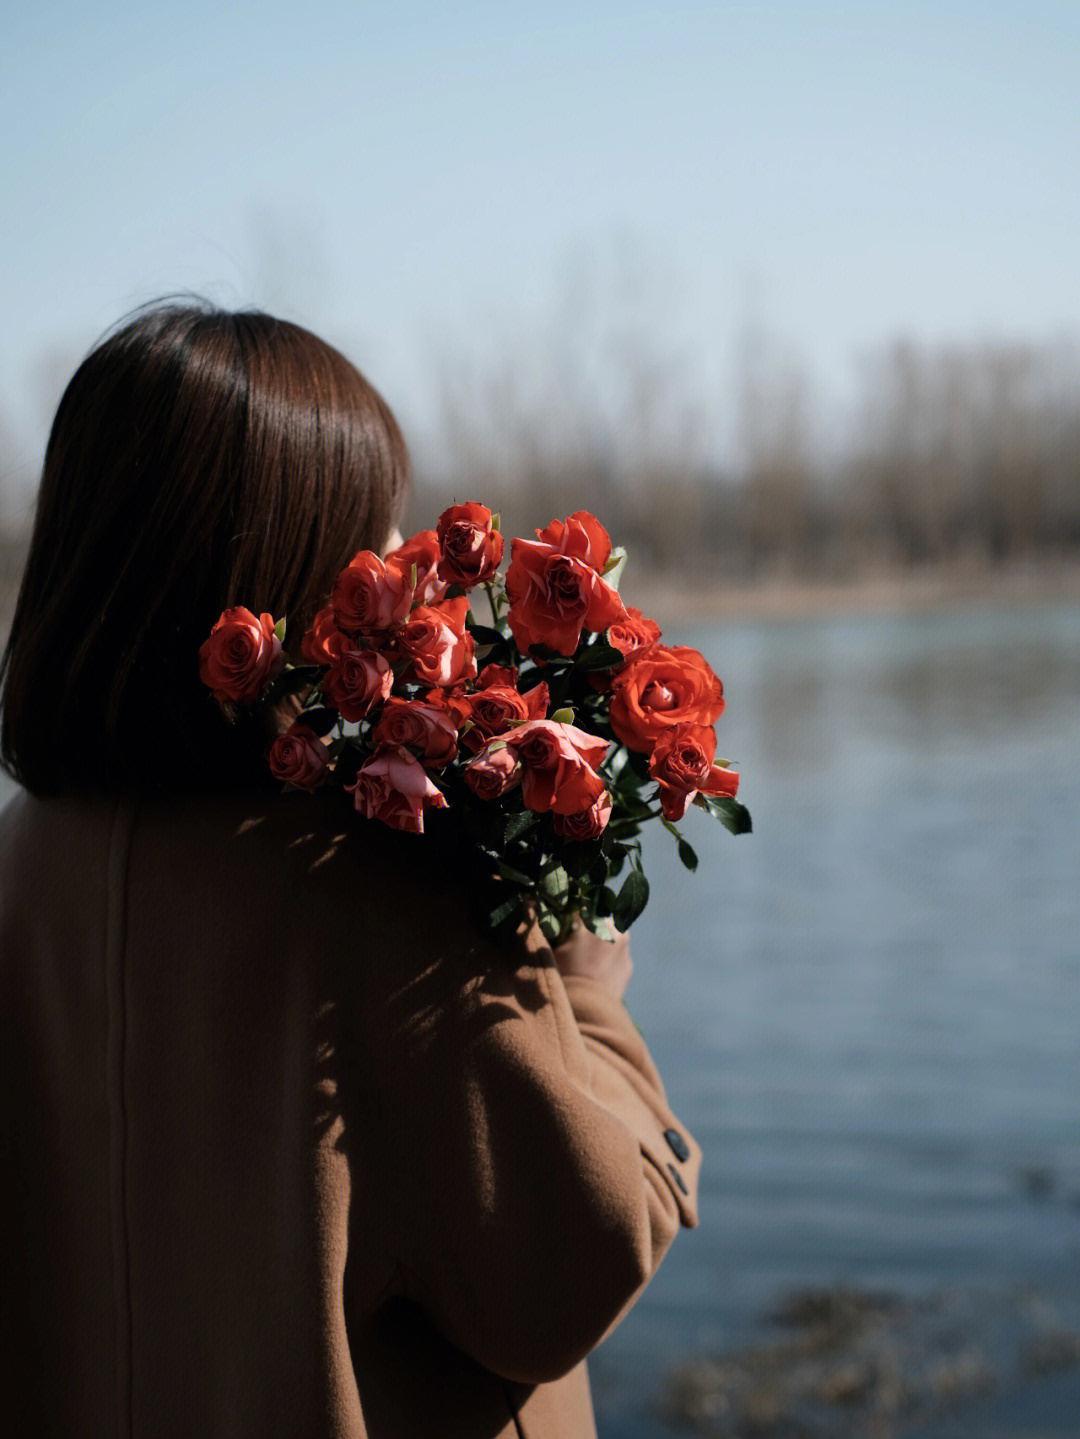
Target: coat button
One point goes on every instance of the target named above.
(677, 1144)
(677, 1178)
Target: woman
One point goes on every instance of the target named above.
(289, 1149)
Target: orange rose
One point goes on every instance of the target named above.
(323, 641)
(369, 595)
(299, 757)
(554, 596)
(581, 536)
(494, 771)
(682, 765)
(436, 644)
(471, 549)
(241, 656)
(494, 707)
(631, 636)
(588, 824)
(662, 688)
(561, 763)
(421, 550)
(357, 681)
(415, 725)
(394, 787)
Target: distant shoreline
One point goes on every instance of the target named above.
(785, 597)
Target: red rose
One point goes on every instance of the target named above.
(588, 823)
(452, 699)
(438, 648)
(581, 536)
(415, 725)
(659, 689)
(561, 764)
(682, 765)
(323, 641)
(369, 595)
(299, 757)
(357, 681)
(631, 637)
(495, 707)
(241, 656)
(505, 675)
(554, 596)
(421, 550)
(471, 549)
(494, 771)
(394, 787)
(634, 634)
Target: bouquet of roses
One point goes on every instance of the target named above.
(550, 730)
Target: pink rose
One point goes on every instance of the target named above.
(414, 725)
(494, 771)
(357, 681)
(241, 656)
(395, 787)
(299, 757)
(561, 763)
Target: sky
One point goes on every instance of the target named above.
(433, 186)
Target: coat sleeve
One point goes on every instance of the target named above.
(536, 1174)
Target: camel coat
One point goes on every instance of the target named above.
(289, 1150)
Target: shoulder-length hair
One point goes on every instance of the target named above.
(198, 459)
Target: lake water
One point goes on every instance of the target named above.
(868, 1011)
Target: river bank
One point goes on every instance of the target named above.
(781, 597)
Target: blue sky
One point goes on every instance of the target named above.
(418, 181)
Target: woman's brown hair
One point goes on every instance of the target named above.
(198, 459)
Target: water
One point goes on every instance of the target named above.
(868, 1012)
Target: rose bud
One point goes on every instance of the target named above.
(682, 765)
(436, 644)
(241, 656)
(452, 699)
(299, 757)
(495, 708)
(659, 689)
(471, 549)
(561, 764)
(494, 771)
(554, 596)
(631, 637)
(587, 823)
(323, 641)
(421, 550)
(394, 787)
(581, 536)
(357, 681)
(418, 726)
(369, 595)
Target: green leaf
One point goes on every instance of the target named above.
(496, 521)
(612, 571)
(632, 899)
(615, 763)
(602, 927)
(519, 823)
(279, 629)
(484, 634)
(555, 883)
(600, 656)
(687, 855)
(515, 875)
(550, 923)
(731, 814)
(563, 716)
